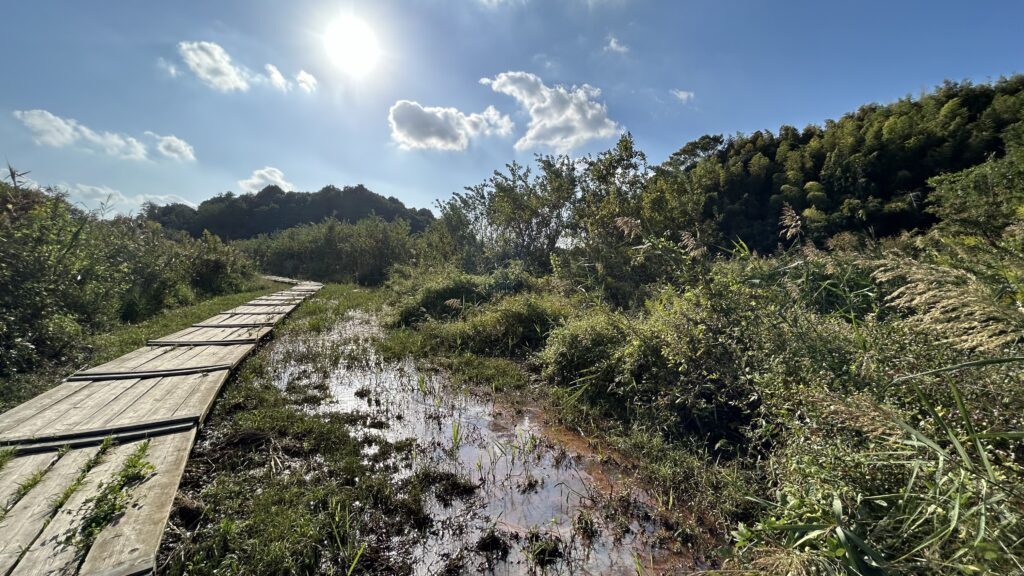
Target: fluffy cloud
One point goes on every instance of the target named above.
(615, 45)
(306, 81)
(212, 64)
(562, 118)
(264, 177)
(684, 96)
(112, 201)
(276, 79)
(417, 126)
(51, 130)
(174, 148)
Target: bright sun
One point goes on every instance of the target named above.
(352, 45)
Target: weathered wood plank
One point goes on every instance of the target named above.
(130, 544)
(29, 516)
(243, 309)
(14, 417)
(152, 374)
(16, 472)
(54, 551)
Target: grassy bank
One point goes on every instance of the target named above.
(124, 338)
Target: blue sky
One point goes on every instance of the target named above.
(171, 101)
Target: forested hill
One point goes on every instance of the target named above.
(866, 172)
(247, 215)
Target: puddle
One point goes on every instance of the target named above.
(539, 507)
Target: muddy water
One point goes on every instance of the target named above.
(539, 506)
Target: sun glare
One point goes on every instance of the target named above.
(352, 45)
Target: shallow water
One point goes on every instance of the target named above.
(550, 504)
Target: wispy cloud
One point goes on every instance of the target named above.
(615, 45)
(561, 118)
(276, 79)
(170, 68)
(306, 81)
(684, 96)
(416, 126)
(112, 201)
(263, 177)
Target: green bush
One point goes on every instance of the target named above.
(334, 251)
(513, 325)
(447, 293)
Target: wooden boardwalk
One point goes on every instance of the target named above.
(67, 448)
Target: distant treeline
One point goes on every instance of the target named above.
(233, 217)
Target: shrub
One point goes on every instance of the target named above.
(65, 272)
(512, 325)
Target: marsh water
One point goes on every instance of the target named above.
(539, 499)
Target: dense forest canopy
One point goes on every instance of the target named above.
(233, 216)
(866, 172)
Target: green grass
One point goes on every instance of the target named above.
(113, 497)
(101, 348)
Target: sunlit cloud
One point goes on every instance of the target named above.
(263, 177)
(560, 118)
(276, 79)
(51, 130)
(416, 126)
(212, 65)
(306, 81)
(173, 147)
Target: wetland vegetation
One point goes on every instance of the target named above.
(791, 352)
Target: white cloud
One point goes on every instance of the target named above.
(615, 45)
(562, 118)
(51, 130)
(417, 126)
(276, 79)
(684, 96)
(306, 81)
(114, 201)
(264, 177)
(170, 68)
(48, 129)
(212, 64)
(174, 148)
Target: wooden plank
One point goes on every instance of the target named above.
(215, 334)
(243, 309)
(29, 516)
(138, 360)
(237, 325)
(208, 342)
(15, 416)
(152, 374)
(130, 544)
(54, 552)
(137, 404)
(200, 399)
(46, 412)
(184, 357)
(141, 431)
(77, 409)
(16, 472)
